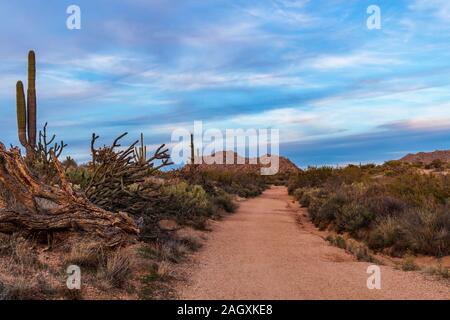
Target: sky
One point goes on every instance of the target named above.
(339, 92)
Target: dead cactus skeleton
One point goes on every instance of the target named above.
(118, 175)
(36, 207)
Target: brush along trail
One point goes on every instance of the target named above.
(268, 249)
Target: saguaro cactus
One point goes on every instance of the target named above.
(26, 111)
(31, 99)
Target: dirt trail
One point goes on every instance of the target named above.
(261, 252)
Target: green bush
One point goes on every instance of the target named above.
(243, 184)
(353, 217)
(187, 201)
(330, 209)
(225, 201)
(78, 176)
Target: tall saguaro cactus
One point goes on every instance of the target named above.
(26, 110)
(31, 99)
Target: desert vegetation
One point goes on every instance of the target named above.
(396, 208)
(117, 216)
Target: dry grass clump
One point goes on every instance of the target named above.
(439, 271)
(27, 287)
(357, 249)
(20, 289)
(86, 254)
(112, 266)
(172, 250)
(409, 264)
(158, 272)
(117, 269)
(19, 252)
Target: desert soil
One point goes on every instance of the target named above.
(270, 250)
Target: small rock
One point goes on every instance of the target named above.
(168, 225)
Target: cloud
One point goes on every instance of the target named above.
(54, 84)
(374, 146)
(429, 124)
(353, 60)
(439, 8)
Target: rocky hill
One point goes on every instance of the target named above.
(427, 157)
(245, 165)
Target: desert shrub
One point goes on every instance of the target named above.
(353, 217)
(313, 177)
(315, 202)
(224, 201)
(408, 264)
(384, 205)
(79, 176)
(359, 250)
(419, 189)
(427, 230)
(172, 250)
(436, 164)
(298, 193)
(340, 242)
(307, 196)
(185, 202)
(243, 184)
(330, 209)
(386, 233)
(393, 206)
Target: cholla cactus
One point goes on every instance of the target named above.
(26, 110)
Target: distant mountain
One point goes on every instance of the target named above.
(252, 165)
(427, 157)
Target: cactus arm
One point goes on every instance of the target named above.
(21, 114)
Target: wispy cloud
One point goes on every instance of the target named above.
(353, 60)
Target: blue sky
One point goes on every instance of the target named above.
(339, 93)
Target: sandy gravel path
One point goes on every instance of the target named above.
(261, 252)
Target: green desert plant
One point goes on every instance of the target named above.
(26, 110)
